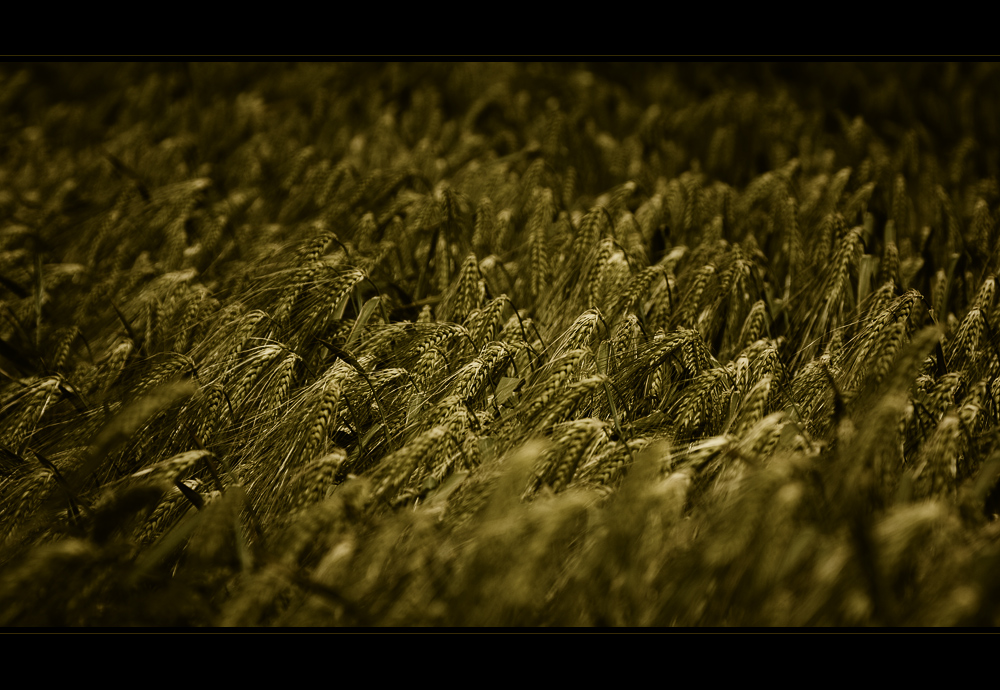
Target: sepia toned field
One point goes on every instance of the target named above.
(571, 344)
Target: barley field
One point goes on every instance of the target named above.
(537, 345)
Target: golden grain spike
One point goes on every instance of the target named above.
(316, 479)
(484, 226)
(393, 472)
(473, 378)
(582, 330)
(594, 226)
(324, 414)
(637, 287)
(469, 293)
